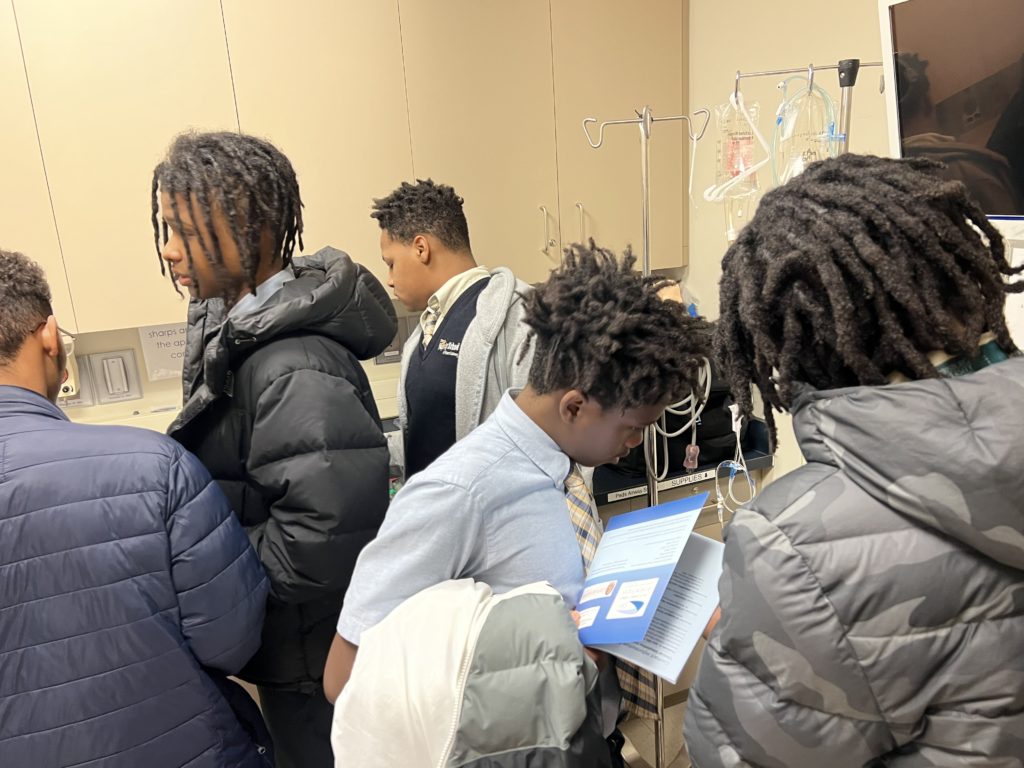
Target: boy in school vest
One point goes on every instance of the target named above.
(466, 349)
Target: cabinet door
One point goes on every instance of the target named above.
(482, 119)
(610, 59)
(113, 82)
(26, 219)
(335, 105)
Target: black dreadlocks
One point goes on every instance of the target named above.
(423, 208)
(248, 179)
(600, 327)
(856, 269)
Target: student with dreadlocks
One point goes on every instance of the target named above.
(497, 507)
(872, 607)
(277, 405)
(467, 348)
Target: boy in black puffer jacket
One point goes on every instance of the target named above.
(277, 405)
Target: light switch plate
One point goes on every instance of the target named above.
(115, 376)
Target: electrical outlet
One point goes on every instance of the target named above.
(82, 396)
(70, 386)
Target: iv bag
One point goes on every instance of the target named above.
(735, 148)
(805, 130)
(735, 154)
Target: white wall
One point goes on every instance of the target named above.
(749, 35)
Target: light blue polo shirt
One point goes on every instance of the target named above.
(492, 508)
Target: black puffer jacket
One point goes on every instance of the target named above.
(280, 411)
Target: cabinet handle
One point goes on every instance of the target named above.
(579, 207)
(548, 242)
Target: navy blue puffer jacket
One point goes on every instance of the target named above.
(126, 585)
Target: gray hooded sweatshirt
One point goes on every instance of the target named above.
(492, 359)
(873, 600)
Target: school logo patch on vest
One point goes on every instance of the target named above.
(449, 348)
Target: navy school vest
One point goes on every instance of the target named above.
(430, 385)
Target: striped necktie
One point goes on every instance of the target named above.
(639, 687)
(429, 321)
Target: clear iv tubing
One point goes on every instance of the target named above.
(686, 406)
(693, 164)
(787, 104)
(728, 501)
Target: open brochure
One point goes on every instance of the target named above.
(652, 587)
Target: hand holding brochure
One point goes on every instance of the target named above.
(652, 587)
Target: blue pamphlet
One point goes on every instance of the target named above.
(634, 562)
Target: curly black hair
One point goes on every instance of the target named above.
(25, 301)
(248, 179)
(423, 208)
(854, 270)
(599, 326)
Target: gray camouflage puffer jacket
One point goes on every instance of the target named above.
(873, 600)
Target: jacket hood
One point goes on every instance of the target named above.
(946, 453)
(330, 295)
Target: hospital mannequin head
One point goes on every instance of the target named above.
(226, 213)
(859, 268)
(609, 354)
(32, 347)
(424, 240)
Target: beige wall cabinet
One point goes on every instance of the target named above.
(482, 119)
(484, 95)
(113, 81)
(335, 105)
(26, 219)
(611, 58)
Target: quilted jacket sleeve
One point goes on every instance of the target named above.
(779, 685)
(221, 587)
(320, 456)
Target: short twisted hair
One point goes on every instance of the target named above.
(600, 327)
(856, 269)
(423, 208)
(24, 301)
(251, 181)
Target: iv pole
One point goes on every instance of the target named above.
(645, 120)
(848, 71)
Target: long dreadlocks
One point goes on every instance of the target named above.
(600, 327)
(248, 179)
(856, 269)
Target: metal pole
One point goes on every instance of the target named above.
(646, 120)
(650, 438)
(848, 70)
